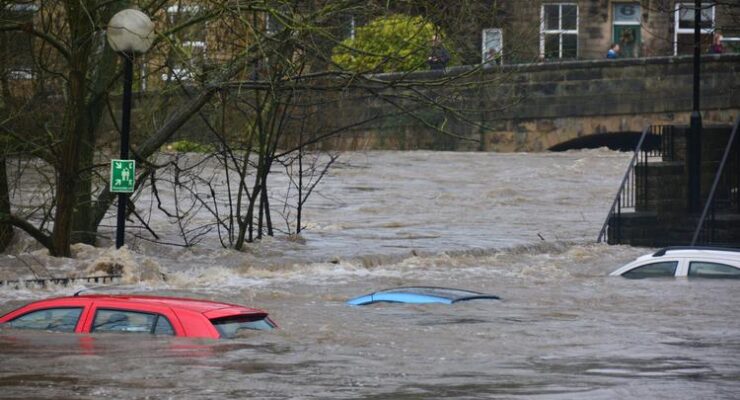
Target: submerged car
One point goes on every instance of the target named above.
(420, 295)
(692, 262)
(155, 315)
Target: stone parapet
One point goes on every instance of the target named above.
(536, 106)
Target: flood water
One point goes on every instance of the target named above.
(520, 226)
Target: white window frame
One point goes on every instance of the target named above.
(183, 73)
(560, 32)
(626, 23)
(484, 49)
(187, 8)
(680, 31)
(20, 74)
(28, 7)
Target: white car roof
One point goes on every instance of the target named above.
(683, 252)
(673, 253)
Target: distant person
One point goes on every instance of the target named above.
(716, 46)
(626, 44)
(493, 56)
(439, 56)
(613, 51)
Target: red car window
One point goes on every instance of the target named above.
(50, 319)
(115, 320)
(231, 327)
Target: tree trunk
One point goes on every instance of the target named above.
(68, 166)
(83, 219)
(73, 128)
(6, 230)
(85, 223)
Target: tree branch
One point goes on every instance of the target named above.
(26, 226)
(28, 28)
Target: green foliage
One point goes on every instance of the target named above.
(395, 43)
(186, 146)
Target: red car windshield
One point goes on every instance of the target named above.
(232, 327)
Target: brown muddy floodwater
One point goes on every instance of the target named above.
(563, 329)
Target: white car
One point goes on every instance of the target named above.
(694, 262)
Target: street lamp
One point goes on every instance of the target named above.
(129, 32)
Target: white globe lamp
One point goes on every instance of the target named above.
(130, 31)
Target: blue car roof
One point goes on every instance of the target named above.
(420, 295)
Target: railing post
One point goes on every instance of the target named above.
(623, 187)
(619, 221)
(712, 191)
(694, 139)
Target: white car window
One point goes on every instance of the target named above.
(653, 270)
(703, 269)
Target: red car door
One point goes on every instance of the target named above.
(102, 311)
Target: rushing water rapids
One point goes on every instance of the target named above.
(520, 226)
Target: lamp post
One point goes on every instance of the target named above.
(129, 32)
(694, 140)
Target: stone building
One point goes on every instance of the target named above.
(584, 29)
(512, 31)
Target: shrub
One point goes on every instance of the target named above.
(186, 146)
(395, 43)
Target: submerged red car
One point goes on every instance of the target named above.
(139, 314)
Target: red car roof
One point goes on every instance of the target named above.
(200, 306)
(191, 317)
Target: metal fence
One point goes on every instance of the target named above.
(656, 142)
(44, 282)
(724, 196)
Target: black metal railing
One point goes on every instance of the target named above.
(656, 141)
(725, 192)
(44, 282)
(667, 138)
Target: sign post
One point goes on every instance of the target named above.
(129, 32)
(122, 173)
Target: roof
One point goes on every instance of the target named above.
(420, 295)
(735, 252)
(197, 305)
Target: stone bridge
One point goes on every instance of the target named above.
(554, 106)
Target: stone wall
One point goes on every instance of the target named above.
(536, 106)
(521, 107)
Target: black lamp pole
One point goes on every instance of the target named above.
(128, 77)
(694, 142)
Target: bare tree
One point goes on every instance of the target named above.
(75, 62)
(275, 81)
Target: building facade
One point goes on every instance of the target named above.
(550, 30)
(509, 31)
